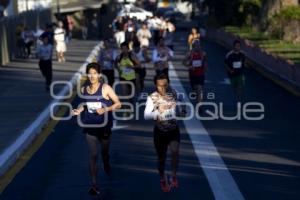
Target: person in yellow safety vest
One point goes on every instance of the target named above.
(126, 63)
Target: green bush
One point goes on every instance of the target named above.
(288, 13)
(280, 20)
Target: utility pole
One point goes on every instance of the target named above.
(58, 9)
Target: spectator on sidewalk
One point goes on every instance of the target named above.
(28, 38)
(84, 28)
(20, 53)
(60, 41)
(44, 53)
(94, 30)
(70, 24)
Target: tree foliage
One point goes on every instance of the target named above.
(288, 13)
(235, 12)
(280, 20)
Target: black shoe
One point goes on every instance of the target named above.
(94, 190)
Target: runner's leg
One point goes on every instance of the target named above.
(92, 142)
(174, 148)
(49, 73)
(199, 92)
(161, 148)
(105, 143)
(42, 68)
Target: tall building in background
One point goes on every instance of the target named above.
(24, 5)
(15, 7)
(3, 6)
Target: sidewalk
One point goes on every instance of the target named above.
(23, 95)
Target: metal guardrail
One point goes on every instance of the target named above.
(276, 65)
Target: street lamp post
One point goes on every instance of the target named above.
(58, 8)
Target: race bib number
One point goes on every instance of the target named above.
(127, 70)
(93, 106)
(168, 115)
(197, 63)
(237, 65)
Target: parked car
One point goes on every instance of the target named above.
(161, 11)
(175, 16)
(180, 20)
(133, 11)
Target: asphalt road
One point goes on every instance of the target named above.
(262, 156)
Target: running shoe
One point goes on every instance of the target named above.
(174, 182)
(164, 185)
(94, 190)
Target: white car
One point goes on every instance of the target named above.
(132, 11)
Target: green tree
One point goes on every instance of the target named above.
(235, 12)
(249, 9)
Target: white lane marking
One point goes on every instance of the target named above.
(11, 153)
(118, 127)
(220, 180)
(226, 81)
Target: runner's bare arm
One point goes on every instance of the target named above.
(228, 69)
(110, 93)
(79, 109)
(170, 54)
(136, 61)
(150, 112)
(190, 39)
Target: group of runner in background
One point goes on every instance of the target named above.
(129, 53)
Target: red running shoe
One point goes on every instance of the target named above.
(174, 182)
(164, 185)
